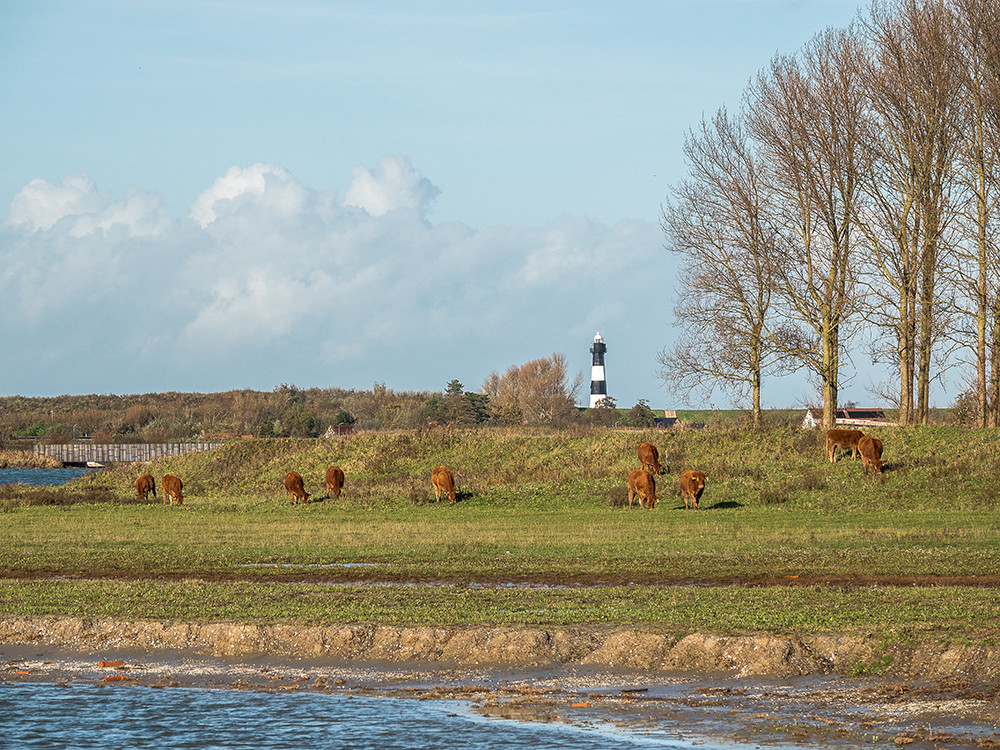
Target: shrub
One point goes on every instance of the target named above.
(618, 496)
(20, 495)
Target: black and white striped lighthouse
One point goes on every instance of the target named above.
(598, 386)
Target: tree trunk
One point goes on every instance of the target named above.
(831, 368)
(926, 336)
(994, 385)
(906, 359)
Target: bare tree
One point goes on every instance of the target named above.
(718, 222)
(909, 170)
(537, 392)
(806, 111)
(978, 267)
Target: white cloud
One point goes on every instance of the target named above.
(394, 184)
(141, 214)
(276, 282)
(265, 186)
(574, 247)
(252, 309)
(40, 205)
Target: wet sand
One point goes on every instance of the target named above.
(812, 711)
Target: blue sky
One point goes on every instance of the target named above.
(199, 196)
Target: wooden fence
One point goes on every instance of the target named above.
(81, 454)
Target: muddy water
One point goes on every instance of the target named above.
(52, 696)
(47, 715)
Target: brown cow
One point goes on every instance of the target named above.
(296, 490)
(649, 457)
(692, 485)
(846, 439)
(172, 489)
(870, 448)
(443, 481)
(334, 481)
(642, 485)
(144, 485)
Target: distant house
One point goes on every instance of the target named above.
(669, 419)
(338, 429)
(848, 417)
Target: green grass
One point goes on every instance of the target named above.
(475, 540)
(785, 541)
(901, 613)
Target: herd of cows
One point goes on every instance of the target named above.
(857, 442)
(641, 482)
(171, 485)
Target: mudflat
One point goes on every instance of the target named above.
(760, 689)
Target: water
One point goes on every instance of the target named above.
(38, 477)
(44, 715)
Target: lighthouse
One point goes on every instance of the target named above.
(598, 386)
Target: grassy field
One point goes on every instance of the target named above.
(784, 541)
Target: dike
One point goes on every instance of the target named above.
(504, 647)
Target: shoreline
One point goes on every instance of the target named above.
(958, 709)
(832, 712)
(510, 647)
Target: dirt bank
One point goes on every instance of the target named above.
(503, 647)
(765, 690)
(695, 709)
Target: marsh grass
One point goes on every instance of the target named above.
(900, 614)
(542, 506)
(13, 496)
(24, 459)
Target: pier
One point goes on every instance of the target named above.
(88, 454)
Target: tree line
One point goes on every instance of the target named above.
(538, 392)
(850, 203)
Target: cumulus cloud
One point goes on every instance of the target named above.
(394, 184)
(266, 187)
(253, 308)
(40, 205)
(272, 281)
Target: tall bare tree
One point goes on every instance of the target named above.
(805, 111)
(910, 144)
(978, 269)
(718, 221)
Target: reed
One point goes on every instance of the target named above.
(25, 459)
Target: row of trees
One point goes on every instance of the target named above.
(851, 203)
(537, 392)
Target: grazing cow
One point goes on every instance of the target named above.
(649, 458)
(443, 481)
(846, 439)
(334, 481)
(642, 485)
(296, 490)
(172, 489)
(871, 453)
(145, 485)
(692, 485)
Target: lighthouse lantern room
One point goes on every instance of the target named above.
(598, 386)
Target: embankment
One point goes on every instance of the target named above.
(504, 647)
